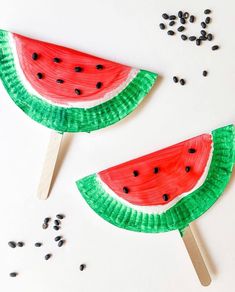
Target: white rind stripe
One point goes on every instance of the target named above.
(79, 104)
(160, 208)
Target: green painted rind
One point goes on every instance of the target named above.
(182, 213)
(64, 119)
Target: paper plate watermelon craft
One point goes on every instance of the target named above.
(67, 90)
(167, 189)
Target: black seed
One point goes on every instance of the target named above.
(170, 32)
(175, 79)
(155, 170)
(125, 190)
(192, 18)
(203, 38)
(56, 227)
(48, 256)
(13, 275)
(187, 168)
(162, 26)
(57, 60)
(58, 238)
(198, 42)
(60, 81)
(60, 243)
(20, 244)
(191, 150)
(182, 20)
(184, 37)
(186, 15)
(135, 173)
(44, 225)
(180, 14)
(203, 25)
(181, 28)
(34, 56)
(57, 222)
(99, 85)
(99, 67)
(182, 81)
(207, 20)
(192, 38)
(82, 267)
(40, 75)
(12, 244)
(78, 69)
(172, 17)
(207, 11)
(46, 220)
(171, 23)
(60, 216)
(203, 32)
(209, 37)
(204, 73)
(165, 197)
(214, 48)
(38, 244)
(165, 16)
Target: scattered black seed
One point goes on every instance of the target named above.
(165, 197)
(78, 69)
(46, 220)
(99, 85)
(61, 242)
(155, 170)
(192, 18)
(203, 25)
(182, 20)
(209, 37)
(60, 216)
(13, 275)
(38, 244)
(40, 75)
(175, 79)
(58, 238)
(135, 173)
(60, 81)
(77, 91)
(207, 20)
(192, 38)
(203, 38)
(198, 42)
(48, 256)
(34, 56)
(20, 244)
(181, 28)
(56, 227)
(207, 11)
(171, 23)
(184, 37)
(172, 17)
(165, 16)
(12, 244)
(180, 14)
(186, 15)
(125, 190)
(187, 168)
(204, 73)
(162, 26)
(214, 48)
(99, 67)
(44, 225)
(182, 81)
(170, 32)
(203, 32)
(57, 222)
(82, 267)
(191, 150)
(57, 60)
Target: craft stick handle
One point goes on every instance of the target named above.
(196, 256)
(49, 165)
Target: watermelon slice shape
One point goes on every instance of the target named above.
(67, 90)
(167, 189)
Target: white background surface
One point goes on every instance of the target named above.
(117, 260)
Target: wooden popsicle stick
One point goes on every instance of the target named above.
(196, 256)
(49, 165)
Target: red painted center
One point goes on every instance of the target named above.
(158, 178)
(111, 75)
